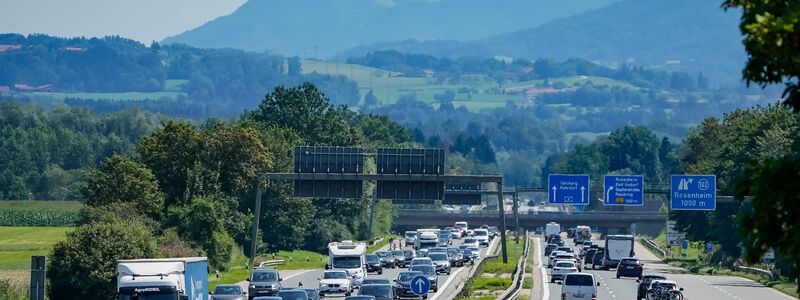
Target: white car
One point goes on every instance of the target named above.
(335, 282)
(482, 236)
(552, 258)
(579, 286)
(561, 269)
(566, 257)
(471, 242)
(424, 261)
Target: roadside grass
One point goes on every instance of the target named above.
(38, 205)
(496, 267)
(514, 251)
(18, 244)
(527, 283)
(386, 239)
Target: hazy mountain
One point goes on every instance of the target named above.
(295, 27)
(689, 35)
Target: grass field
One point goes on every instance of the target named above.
(39, 213)
(18, 244)
(39, 205)
(126, 96)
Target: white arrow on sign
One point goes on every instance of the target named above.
(608, 194)
(582, 194)
(554, 194)
(420, 284)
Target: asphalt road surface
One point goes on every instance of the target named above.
(696, 287)
(309, 278)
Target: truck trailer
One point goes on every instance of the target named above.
(163, 279)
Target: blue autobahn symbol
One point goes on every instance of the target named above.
(568, 189)
(420, 285)
(693, 192)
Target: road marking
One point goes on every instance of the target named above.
(545, 287)
(442, 288)
(297, 274)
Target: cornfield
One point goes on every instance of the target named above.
(38, 218)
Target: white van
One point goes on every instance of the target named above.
(579, 286)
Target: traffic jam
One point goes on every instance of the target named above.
(574, 263)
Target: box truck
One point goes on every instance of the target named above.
(617, 248)
(165, 278)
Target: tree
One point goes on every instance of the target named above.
(295, 67)
(203, 224)
(122, 180)
(170, 152)
(308, 112)
(84, 265)
(772, 41)
(370, 100)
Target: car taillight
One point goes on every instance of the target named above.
(594, 296)
(563, 295)
(574, 270)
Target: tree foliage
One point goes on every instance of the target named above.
(122, 180)
(84, 265)
(772, 41)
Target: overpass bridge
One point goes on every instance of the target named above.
(607, 221)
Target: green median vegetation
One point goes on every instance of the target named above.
(494, 277)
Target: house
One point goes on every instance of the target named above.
(4, 48)
(429, 73)
(23, 87)
(73, 49)
(27, 88)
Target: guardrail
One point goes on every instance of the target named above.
(652, 246)
(757, 271)
(269, 263)
(474, 270)
(516, 285)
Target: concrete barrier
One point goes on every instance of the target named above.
(519, 275)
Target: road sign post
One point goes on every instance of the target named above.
(568, 189)
(420, 285)
(623, 190)
(693, 192)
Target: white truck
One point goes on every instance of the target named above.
(617, 248)
(163, 279)
(551, 228)
(350, 257)
(426, 238)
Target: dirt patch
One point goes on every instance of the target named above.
(19, 278)
(488, 275)
(505, 275)
(484, 293)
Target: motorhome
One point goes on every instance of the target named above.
(164, 278)
(349, 256)
(617, 248)
(582, 233)
(551, 228)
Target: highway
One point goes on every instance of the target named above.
(696, 287)
(309, 278)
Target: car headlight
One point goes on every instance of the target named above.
(252, 286)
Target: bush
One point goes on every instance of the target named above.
(9, 291)
(324, 232)
(84, 265)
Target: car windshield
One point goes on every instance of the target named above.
(227, 290)
(397, 252)
(420, 262)
(407, 276)
(427, 270)
(565, 257)
(293, 295)
(466, 252)
(347, 262)
(375, 281)
(408, 252)
(481, 233)
(383, 253)
(629, 262)
(376, 290)
(438, 256)
(648, 279)
(470, 241)
(665, 285)
(264, 277)
(335, 275)
(372, 258)
(564, 264)
(411, 234)
(579, 279)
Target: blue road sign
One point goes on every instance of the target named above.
(709, 247)
(693, 192)
(623, 190)
(420, 285)
(568, 189)
(685, 244)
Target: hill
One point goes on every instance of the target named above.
(303, 27)
(679, 35)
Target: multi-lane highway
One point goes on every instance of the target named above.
(446, 282)
(695, 286)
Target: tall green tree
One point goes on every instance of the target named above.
(772, 41)
(122, 180)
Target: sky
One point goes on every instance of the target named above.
(142, 20)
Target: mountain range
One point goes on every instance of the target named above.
(303, 27)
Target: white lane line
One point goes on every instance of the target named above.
(447, 282)
(297, 274)
(545, 288)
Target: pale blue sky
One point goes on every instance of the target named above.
(142, 20)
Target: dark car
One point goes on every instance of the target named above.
(374, 264)
(402, 285)
(644, 284)
(227, 292)
(387, 259)
(630, 267)
(431, 273)
(263, 282)
(379, 291)
(550, 248)
(597, 260)
(493, 231)
(441, 262)
(589, 256)
(312, 293)
(400, 258)
(293, 295)
(456, 259)
(466, 256)
(409, 254)
(371, 280)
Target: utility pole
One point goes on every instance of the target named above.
(500, 205)
(254, 240)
